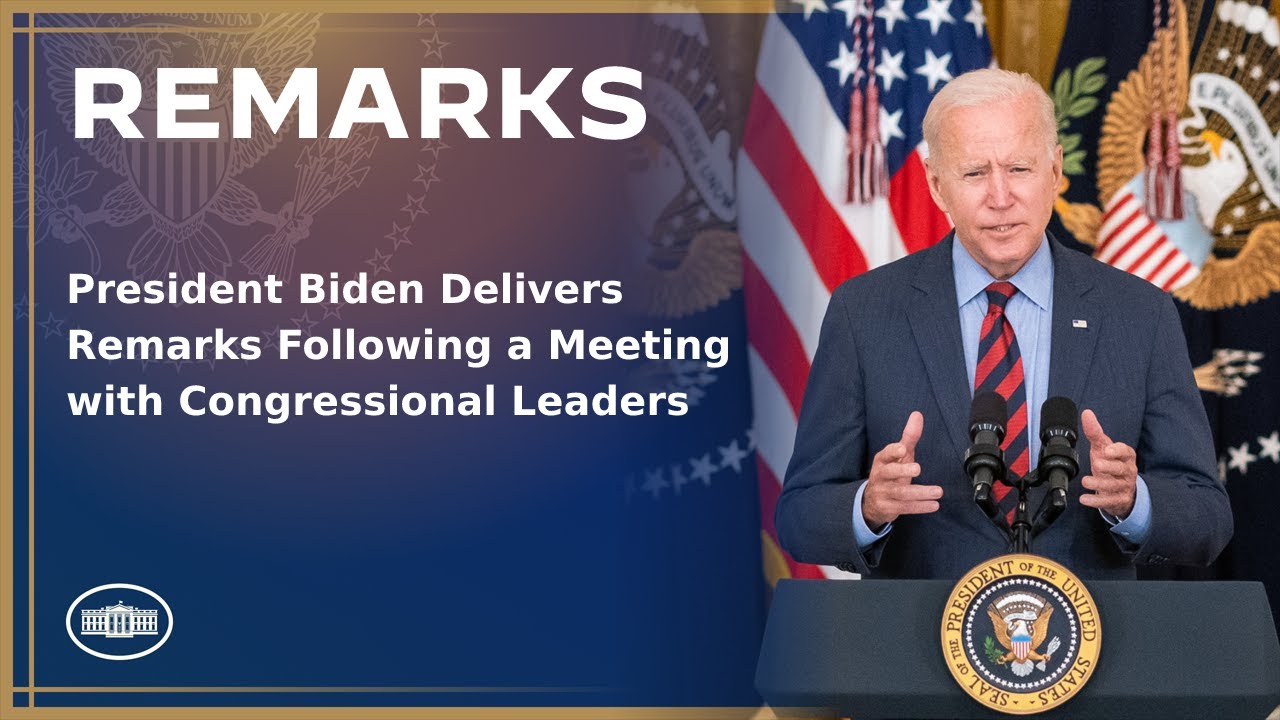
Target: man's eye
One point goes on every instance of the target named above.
(1020, 169)
(973, 174)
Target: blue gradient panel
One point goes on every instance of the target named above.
(497, 560)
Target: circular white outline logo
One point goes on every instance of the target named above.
(120, 586)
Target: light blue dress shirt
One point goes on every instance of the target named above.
(1030, 311)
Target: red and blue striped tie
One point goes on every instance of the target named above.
(1000, 371)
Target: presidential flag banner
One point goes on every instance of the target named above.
(1168, 112)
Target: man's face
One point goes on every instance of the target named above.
(995, 177)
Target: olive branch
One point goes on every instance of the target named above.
(1073, 98)
(989, 648)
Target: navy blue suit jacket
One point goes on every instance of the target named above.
(890, 344)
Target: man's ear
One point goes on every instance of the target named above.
(931, 170)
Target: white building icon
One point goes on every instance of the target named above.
(119, 620)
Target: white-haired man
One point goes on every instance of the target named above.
(876, 483)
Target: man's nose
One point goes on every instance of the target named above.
(999, 194)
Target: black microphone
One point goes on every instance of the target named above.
(984, 461)
(1058, 457)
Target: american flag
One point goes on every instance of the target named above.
(801, 237)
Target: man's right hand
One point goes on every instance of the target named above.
(889, 491)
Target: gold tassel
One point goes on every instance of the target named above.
(1154, 184)
(855, 189)
(877, 185)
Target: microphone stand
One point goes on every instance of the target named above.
(1020, 530)
(1059, 463)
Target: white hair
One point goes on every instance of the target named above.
(986, 86)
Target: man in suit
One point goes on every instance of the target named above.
(876, 483)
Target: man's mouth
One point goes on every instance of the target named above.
(1001, 228)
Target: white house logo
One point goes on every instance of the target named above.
(119, 621)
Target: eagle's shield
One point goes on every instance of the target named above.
(178, 177)
(1021, 645)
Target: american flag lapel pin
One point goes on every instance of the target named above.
(1082, 324)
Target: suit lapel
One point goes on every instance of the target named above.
(1076, 323)
(935, 324)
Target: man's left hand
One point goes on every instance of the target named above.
(1114, 481)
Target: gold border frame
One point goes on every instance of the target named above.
(8, 9)
(377, 7)
(6, 366)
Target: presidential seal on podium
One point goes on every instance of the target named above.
(1021, 634)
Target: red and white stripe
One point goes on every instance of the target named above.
(1021, 648)
(1132, 241)
(802, 240)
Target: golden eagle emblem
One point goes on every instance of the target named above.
(176, 187)
(1221, 246)
(680, 178)
(1010, 668)
(1021, 624)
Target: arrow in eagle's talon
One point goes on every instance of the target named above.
(1054, 644)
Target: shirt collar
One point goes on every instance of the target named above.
(1034, 279)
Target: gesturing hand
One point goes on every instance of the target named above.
(889, 491)
(1114, 481)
